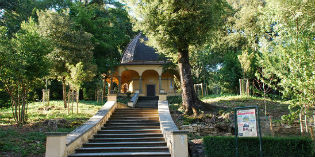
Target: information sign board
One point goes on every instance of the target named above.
(246, 122)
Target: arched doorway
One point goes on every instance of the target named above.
(130, 81)
(150, 85)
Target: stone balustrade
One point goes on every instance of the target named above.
(62, 144)
(176, 140)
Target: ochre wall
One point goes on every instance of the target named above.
(150, 76)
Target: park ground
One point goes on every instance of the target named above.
(29, 140)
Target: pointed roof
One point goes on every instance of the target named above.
(138, 53)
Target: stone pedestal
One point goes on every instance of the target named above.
(162, 97)
(179, 144)
(112, 97)
(55, 144)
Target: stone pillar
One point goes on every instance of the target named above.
(179, 146)
(160, 84)
(111, 85)
(56, 144)
(119, 84)
(140, 85)
(112, 97)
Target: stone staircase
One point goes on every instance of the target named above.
(147, 102)
(130, 132)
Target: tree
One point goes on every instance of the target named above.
(111, 29)
(174, 27)
(75, 79)
(17, 11)
(71, 46)
(23, 61)
(288, 51)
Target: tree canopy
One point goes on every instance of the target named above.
(174, 28)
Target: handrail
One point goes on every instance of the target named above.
(176, 139)
(61, 145)
(133, 100)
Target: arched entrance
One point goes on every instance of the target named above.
(130, 81)
(150, 79)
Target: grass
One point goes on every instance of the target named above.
(275, 108)
(29, 140)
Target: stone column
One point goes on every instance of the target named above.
(56, 144)
(160, 84)
(140, 85)
(119, 84)
(111, 85)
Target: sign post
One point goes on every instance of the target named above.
(247, 124)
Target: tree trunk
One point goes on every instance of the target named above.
(64, 92)
(77, 100)
(189, 97)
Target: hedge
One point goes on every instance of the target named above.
(224, 146)
(174, 99)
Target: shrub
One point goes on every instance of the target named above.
(224, 146)
(174, 99)
(123, 99)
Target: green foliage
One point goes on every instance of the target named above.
(77, 76)
(245, 60)
(287, 61)
(123, 99)
(224, 146)
(173, 25)
(30, 141)
(111, 29)
(230, 73)
(17, 11)
(23, 61)
(174, 99)
(174, 107)
(70, 46)
(188, 120)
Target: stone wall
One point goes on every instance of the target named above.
(227, 129)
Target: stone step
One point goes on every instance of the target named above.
(136, 110)
(122, 154)
(130, 139)
(134, 121)
(135, 118)
(133, 124)
(142, 106)
(148, 98)
(130, 131)
(122, 149)
(142, 113)
(134, 115)
(147, 102)
(129, 135)
(123, 127)
(126, 144)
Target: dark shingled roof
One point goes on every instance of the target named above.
(137, 52)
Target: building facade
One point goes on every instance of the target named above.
(141, 71)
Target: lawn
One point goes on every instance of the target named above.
(29, 140)
(275, 108)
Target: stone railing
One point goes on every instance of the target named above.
(176, 139)
(63, 144)
(134, 100)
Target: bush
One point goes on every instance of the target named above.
(224, 146)
(174, 99)
(123, 99)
